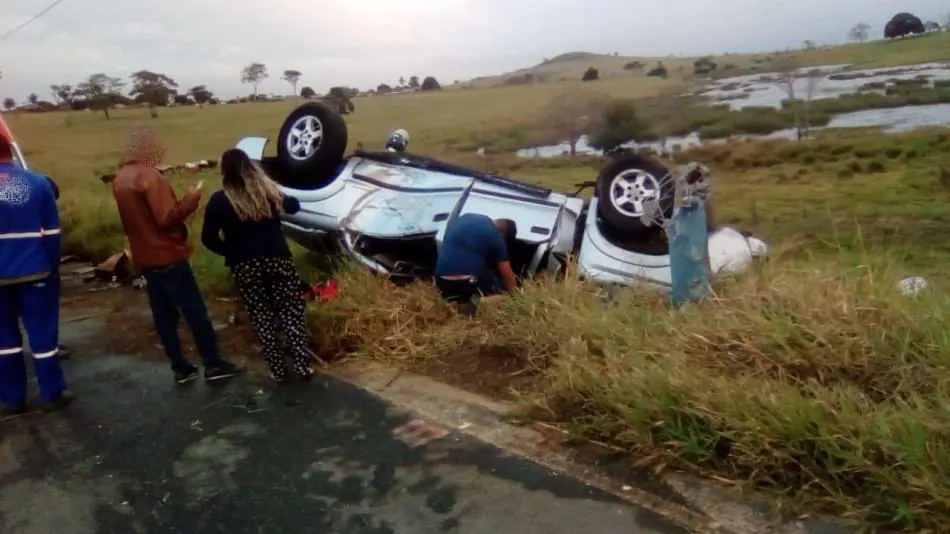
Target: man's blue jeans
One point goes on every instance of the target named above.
(172, 292)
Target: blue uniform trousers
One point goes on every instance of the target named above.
(36, 304)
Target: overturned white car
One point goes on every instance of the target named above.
(390, 209)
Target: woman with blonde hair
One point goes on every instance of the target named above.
(246, 213)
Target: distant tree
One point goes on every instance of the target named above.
(100, 92)
(659, 70)
(414, 81)
(183, 100)
(808, 44)
(619, 124)
(859, 32)
(590, 74)
(340, 98)
(946, 21)
(201, 95)
(402, 81)
(903, 24)
(799, 102)
(383, 89)
(292, 77)
(572, 113)
(430, 84)
(254, 74)
(33, 98)
(65, 94)
(308, 92)
(932, 26)
(154, 89)
(9, 103)
(704, 65)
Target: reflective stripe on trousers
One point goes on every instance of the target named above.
(28, 235)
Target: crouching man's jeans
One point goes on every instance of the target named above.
(36, 303)
(172, 292)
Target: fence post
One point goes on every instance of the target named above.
(689, 251)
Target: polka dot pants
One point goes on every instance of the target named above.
(270, 289)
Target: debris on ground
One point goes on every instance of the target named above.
(116, 268)
(190, 167)
(912, 286)
(321, 291)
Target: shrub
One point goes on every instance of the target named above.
(875, 166)
(893, 152)
(619, 125)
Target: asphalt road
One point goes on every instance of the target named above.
(136, 453)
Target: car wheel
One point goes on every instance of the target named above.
(311, 142)
(626, 185)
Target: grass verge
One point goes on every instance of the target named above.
(822, 385)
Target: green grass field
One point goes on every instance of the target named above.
(810, 378)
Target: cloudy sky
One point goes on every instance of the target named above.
(366, 42)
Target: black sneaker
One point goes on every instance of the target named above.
(61, 401)
(187, 375)
(307, 374)
(227, 370)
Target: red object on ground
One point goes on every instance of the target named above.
(326, 291)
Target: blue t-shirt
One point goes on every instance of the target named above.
(472, 245)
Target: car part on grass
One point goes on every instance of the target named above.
(689, 251)
(190, 167)
(389, 210)
(912, 286)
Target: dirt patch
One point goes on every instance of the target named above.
(129, 328)
(494, 372)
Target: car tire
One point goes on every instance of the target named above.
(311, 142)
(633, 174)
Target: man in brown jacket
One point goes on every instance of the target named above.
(154, 222)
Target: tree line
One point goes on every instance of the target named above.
(102, 92)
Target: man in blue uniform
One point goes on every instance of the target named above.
(473, 258)
(29, 288)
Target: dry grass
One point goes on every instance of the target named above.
(810, 378)
(832, 398)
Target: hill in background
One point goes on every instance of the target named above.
(572, 65)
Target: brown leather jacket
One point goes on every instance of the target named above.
(152, 216)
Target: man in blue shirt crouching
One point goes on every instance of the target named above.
(474, 258)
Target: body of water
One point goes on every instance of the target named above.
(763, 91)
